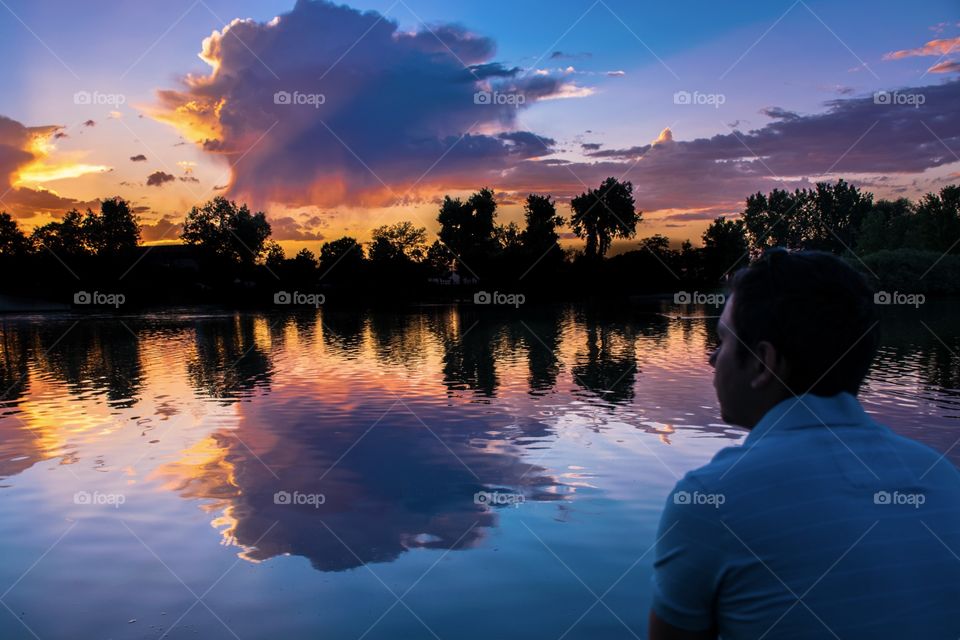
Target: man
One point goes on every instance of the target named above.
(823, 523)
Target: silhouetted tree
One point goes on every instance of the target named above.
(114, 230)
(542, 222)
(341, 260)
(605, 213)
(13, 242)
(468, 230)
(889, 224)
(827, 218)
(509, 237)
(725, 247)
(835, 214)
(440, 260)
(274, 255)
(65, 237)
(398, 243)
(227, 230)
(775, 220)
(938, 221)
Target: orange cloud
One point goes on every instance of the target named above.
(938, 47)
(25, 158)
(947, 66)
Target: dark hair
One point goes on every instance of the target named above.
(816, 310)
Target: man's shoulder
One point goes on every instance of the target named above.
(775, 459)
(716, 474)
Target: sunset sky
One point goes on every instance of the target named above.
(335, 119)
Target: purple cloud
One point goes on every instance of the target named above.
(307, 111)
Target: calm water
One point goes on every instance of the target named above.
(334, 474)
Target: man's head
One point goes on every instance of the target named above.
(794, 323)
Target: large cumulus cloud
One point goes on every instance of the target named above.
(398, 109)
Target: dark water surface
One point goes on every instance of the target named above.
(440, 473)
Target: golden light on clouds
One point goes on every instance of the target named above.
(41, 172)
(40, 169)
(196, 119)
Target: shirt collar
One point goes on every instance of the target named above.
(810, 410)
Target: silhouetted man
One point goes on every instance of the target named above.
(823, 523)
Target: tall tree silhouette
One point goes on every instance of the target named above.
(539, 239)
(400, 242)
(114, 230)
(468, 229)
(725, 246)
(341, 260)
(227, 230)
(938, 221)
(605, 213)
(13, 242)
(65, 237)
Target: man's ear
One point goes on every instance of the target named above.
(768, 367)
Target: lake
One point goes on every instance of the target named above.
(438, 473)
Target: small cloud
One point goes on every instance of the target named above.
(59, 135)
(947, 66)
(569, 90)
(138, 158)
(159, 178)
(90, 123)
(665, 136)
(616, 74)
(114, 115)
(938, 47)
(189, 179)
(219, 187)
(778, 113)
(590, 146)
(562, 55)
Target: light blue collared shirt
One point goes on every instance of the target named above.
(822, 524)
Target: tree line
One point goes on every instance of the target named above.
(898, 239)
